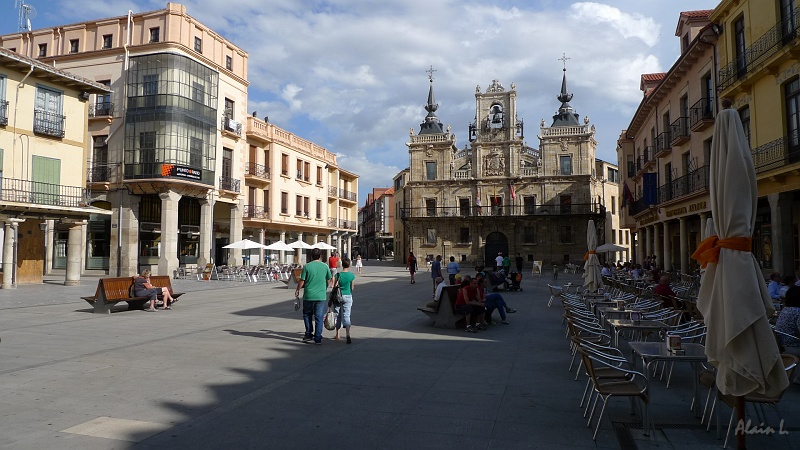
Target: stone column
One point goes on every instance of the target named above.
(780, 206)
(349, 245)
(298, 252)
(168, 253)
(684, 235)
(74, 247)
(206, 233)
(667, 248)
(282, 252)
(262, 253)
(656, 242)
(703, 224)
(235, 258)
(648, 246)
(329, 240)
(84, 242)
(9, 253)
(128, 220)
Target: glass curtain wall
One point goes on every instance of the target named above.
(170, 120)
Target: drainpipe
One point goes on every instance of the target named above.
(16, 105)
(60, 47)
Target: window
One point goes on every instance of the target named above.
(612, 175)
(684, 105)
(306, 209)
(150, 84)
(684, 42)
(265, 202)
(42, 50)
(739, 45)
(529, 203)
(307, 172)
(496, 203)
(430, 170)
(227, 163)
(47, 118)
(102, 106)
(319, 209)
(198, 92)
(613, 204)
(787, 20)
(107, 40)
(430, 236)
(613, 236)
(708, 95)
(299, 169)
(319, 176)
(99, 170)
(463, 235)
(627, 238)
(430, 207)
(196, 152)
(147, 148)
(529, 235)
(566, 204)
(285, 164)
(792, 93)
(463, 207)
(229, 63)
(154, 34)
(45, 180)
(229, 108)
(565, 234)
(299, 205)
(284, 203)
(686, 161)
(198, 44)
(565, 162)
(744, 115)
(73, 45)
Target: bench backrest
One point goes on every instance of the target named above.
(116, 288)
(450, 294)
(161, 281)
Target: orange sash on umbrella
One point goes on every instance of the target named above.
(708, 251)
(590, 252)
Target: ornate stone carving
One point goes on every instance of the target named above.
(564, 146)
(494, 164)
(586, 120)
(495, 87)
(541, 124)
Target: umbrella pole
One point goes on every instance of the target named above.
(740, 416)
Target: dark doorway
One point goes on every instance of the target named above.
(495, 242)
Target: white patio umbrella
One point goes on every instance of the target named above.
(245, 244)
(279, 246)
(591, 270)
(606, 248)
(733, 297)
(299, 244)
(322, 245)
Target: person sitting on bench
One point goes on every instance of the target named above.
(492, 302)
(468, 303)
(143, 288)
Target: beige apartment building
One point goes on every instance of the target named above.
(175, 157)
(607, 176)
(43, 158)
(665, 151)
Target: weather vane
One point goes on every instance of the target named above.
(564, 60)
(430, 73)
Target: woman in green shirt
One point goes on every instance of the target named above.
(346, 283)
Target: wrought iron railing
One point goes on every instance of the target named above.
(764, 47)
(99, 173)
(229, 184)
(459, 212)
(348, 224)
(101, 109)
(3, 112)
(231, 125)
(777, 153)
(690, 183)
(255, 212)
(663, 142)
(679, 129)
(257, 170)
(702, 110)
(637, 206)
(49, 123)
(35, 192)
(347, 195)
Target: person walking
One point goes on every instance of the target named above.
(314, 281)
(519, 262)
(452, 270)
(333, 262)
(499, 260)
(347, 281)
(411, 266)
(358, 264)
(436, 271)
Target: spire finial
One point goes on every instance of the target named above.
(564, 60)
(430, 73)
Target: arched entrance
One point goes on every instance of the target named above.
(495, 242)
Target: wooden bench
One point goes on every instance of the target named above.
(113, 290)
(444, 313)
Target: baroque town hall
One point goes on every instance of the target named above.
(497, 194)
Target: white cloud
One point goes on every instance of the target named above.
(627, 25)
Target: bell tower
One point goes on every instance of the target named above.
(496, 134)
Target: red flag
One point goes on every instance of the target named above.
(627, 195)
(513, 193)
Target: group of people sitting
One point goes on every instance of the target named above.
(475, 302)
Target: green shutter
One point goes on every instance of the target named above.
(46, 180)
(1, 160)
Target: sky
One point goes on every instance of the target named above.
(351, 75)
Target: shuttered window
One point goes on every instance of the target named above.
(45, 180)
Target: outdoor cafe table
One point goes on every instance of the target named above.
(595, 302)
(612, 312)
(617, 325)
(651, 352)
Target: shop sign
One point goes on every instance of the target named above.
(172, 170)
(681, 210)
(647, 219)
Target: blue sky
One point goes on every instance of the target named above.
(350, 75)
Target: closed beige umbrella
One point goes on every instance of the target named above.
(733, 297)
(591, 269)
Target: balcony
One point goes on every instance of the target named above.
(231, 126)
(229, 184)
(3, 112)
(701, 114)
(464, 174)
(347, 195)
(99, 173)
(692, 183)
(101, 109)
(460, 213)
(637, 207)
(679, 131)
(776, 154)
(48, 123)
(348, 224)
(663, 144)
(255, 212)
(253, 170)
(780, 35)
(34, 192)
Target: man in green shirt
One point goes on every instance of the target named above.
(314, 282)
